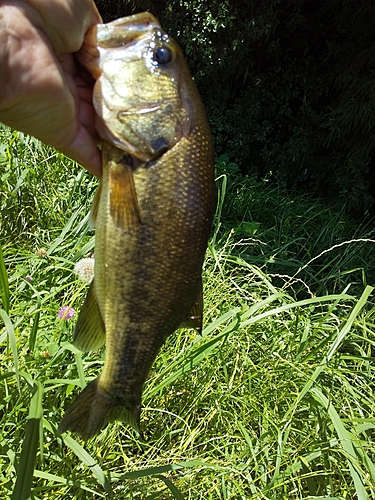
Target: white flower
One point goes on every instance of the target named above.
(84, 269)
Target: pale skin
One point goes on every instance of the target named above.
(44, 91)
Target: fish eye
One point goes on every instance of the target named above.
(163, 55)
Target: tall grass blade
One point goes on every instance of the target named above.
(260, 304)
(219, 207)
(346, 443)
(333, 348)
(85, 458)
(348, 325)
(34, 328)
(80, 370)
(209, 328)
(201, 352)
(13, 345)
(220, 320)
(361, 452)
(154, 471)
(88, 460)
(323, 498)
(294, 305)
(4, 284)
(62, 480)
(25, 468)
(175, 492)
(297, 466)
(57, 243)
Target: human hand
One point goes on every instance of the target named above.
(44, 91)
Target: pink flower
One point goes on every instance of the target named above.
(66, 312)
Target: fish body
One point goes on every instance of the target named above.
(153, 214)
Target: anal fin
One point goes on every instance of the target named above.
(89, 333)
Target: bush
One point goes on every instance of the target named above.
(288, 86)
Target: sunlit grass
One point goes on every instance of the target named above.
(273, 401)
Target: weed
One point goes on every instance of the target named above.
(273, 401)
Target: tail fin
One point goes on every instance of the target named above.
(93, 409)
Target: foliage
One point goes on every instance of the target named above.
(272, 229)
(273, 401)
(288, 86)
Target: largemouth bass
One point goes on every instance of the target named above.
(153, 213)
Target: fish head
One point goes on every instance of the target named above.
(139, 95)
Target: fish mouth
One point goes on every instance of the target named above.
(142, 21)
(125, 30)
(138, 111)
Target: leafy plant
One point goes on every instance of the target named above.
(273, 401)
(288, 87)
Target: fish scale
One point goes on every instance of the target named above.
(153, 214)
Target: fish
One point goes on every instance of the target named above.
(152, 212)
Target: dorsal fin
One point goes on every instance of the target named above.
(195, 318)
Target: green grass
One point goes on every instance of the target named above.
(273, 401)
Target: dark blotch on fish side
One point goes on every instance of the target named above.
(159, 145)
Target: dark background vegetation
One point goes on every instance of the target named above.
(288, 87)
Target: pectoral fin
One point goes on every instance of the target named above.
(123, 201)
(89, 333)
(95, 207)
(195, 318)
